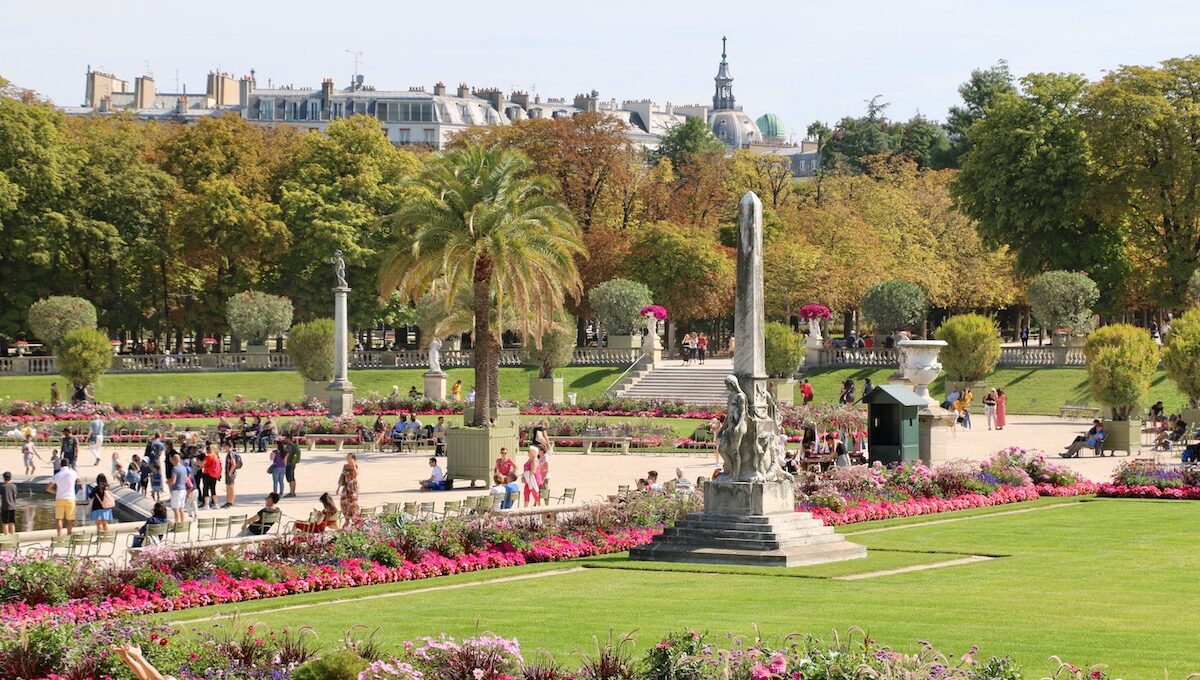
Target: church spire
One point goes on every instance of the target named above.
(723, 97)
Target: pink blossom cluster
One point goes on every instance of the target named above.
(349, 573)
(659, 312)
(1183, 493)
(913, 507)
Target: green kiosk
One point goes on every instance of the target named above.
(893, 431)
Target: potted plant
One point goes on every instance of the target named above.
(783, 351)
(553, 350)
(84, 354)
(52, 318)
(254, 317)
(814, 314)
(1063, 301)
(894, 305)
(1181, 359)
(1120, 360)
(618, 304)
(310, 347)
(971, 352)
(116, 347)
(22, 347)
(209, 343)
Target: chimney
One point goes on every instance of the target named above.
(587, 102)
(463, 90)
(105, 103)
(245, 87)
(181, 104)
(494, 97)
(439, 89)
(326, 94)
(521, 99)
(143, 92)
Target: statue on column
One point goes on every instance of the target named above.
(339, 269)
(729, 437)
(435, 359)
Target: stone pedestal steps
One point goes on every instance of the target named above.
(790, 540)
(690, 384)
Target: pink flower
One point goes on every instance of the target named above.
(760, 672)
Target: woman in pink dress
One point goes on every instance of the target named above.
(1001, 409)
(531, 476)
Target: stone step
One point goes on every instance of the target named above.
(794, 556)
(776, 543)
(764, 535)
(752, 522)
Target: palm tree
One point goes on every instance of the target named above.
(482, 221)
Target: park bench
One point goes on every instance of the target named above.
(590, 442)
(339, 439)
(1080, 409)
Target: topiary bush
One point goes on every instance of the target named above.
(1063, 300)
(254, 316)
(343, 664)
(617, 303)
(1181, 356)
(310, 347)
(783, 349)
(557, 348)
(53, 318)
(84, 355)
(1120, 361)
(972, 346)
(893, 305)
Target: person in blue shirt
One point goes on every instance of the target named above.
(178, 483)
(512, 491)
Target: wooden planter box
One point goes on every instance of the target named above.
(471, 451)
(546, 390)
(783, 390)
(1123, 435)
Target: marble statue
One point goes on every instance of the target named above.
(339, 269)
(435, 357)
(733, 430)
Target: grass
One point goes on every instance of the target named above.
(1105, 581)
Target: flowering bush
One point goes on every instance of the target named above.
(808, 312)
(656, 311)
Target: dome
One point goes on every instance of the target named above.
(771, 127)
(734, 128)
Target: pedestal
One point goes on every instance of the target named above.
(258, 357)
(751, 523)
(435, 385)
(341, 401)
(936, 428)
(341, 390)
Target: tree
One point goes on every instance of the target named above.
(84, 355)
(688, 140)
(790, 268)
(783, 350)
(1120, 361)
(894, 305)
(1026, 181)
(978, 95)
(483, 221)
(1143, 128)
(923, 141)
(767, 175)
(618, 304)
(554, 349)
(1064, 300)
(310, 347)
(1181, 355)
(686, 273)
(255, 316)
(972, 346)
(53, 318)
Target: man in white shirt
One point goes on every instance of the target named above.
(437, 478)
(96, 436)
(63, 486)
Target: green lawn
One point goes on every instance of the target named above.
(1096, 581)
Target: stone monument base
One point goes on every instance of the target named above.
(435, 385)
(751, 523)
(936, 429)
(341, 400)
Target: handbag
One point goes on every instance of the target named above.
(107, 501)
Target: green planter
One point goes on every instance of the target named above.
(470, 451)
(546, 390)
(504, 414)
(1123, 435)
(783, 390)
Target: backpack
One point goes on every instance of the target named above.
(237, 460)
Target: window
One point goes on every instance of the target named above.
(402, 136)
(337, 109)
(430, 136)
(314, 110)
(293, 111)
(266, 109)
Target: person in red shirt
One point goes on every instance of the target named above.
(504, 464)
(210, 472)
(806, 390)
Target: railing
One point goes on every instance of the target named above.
(1026, 356)
(280, 361)
(861, 356)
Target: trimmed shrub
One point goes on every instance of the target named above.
(557, 348)
(310, 346)
(254, 316)
(84, 356)
(1181, 355)
(972, 346)
(783, 349)
(1061, 299)
(617, 303)
(893, 305)
(1120, 361)
(56, 316)
(343, 664)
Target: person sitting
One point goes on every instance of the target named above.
(652, 481)
(497, 491)
(158, 516)
(682, 484)
(413, 393)
(326, 516)
(1094, 438)
(790, 465)
(266, 434)
(398, 433)
(1176, 433)
(437, 478)
(643, 485)
(264, 519)
(512, 490)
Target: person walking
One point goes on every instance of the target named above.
(806, 391)
(456, 390)
(702, 347)
(69, 447)
(96, 436)
(278, 468)
(8, 505)
(233, 463)
(530, 478)
(1024, 336)
(103, 502)
(28, 452)
(177, 482)
(989, 408)
(210, 474)
(293, 459)
(63, 485)
(1001, 409)
(348, 488)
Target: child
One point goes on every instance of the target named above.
(119, 475)
(116, 464)
(28, 451)
(156, 483)
(133, 476)
(55, 459)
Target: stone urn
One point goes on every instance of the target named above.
(813, 339)
(920, 365)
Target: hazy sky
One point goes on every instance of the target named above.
(802, 60)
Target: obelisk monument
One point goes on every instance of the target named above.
(749, 512)
(341, 390)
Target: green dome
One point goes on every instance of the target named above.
(771, 127)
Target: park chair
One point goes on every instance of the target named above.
(155, 533)
(220, 527)
(206, 524)
(497, 503)
(425, 509)
(622, 489)
(235, 524)
(568, 496)
(80, 544)
(56, 544)
(700, 482)
(391, 508)
(483, 504)
(368, 512)
(451, 507)
(410, 510)
(10, 543)
(106, 544)
(175, 529)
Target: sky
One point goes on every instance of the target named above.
(801, 60)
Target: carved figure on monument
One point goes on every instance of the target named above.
(733, 430)
(339, 269)
(435, 358)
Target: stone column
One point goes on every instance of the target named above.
(341, 390)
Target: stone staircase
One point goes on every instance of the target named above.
(674, 382)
